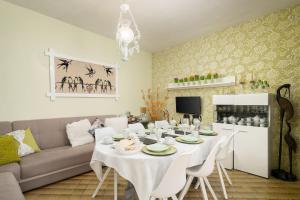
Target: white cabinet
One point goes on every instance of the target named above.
(225, 130)
(251, 144)
(251, 150)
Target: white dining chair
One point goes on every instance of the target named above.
(99, 135)
(202, 172)
(163, 124)
(117, 123)
(226, 149)
(174, 179)
(136, 127)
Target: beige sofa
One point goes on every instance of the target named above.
(57, 160)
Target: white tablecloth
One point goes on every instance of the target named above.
(145, 171)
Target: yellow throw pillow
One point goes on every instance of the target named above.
(30, 141)
(8, 150)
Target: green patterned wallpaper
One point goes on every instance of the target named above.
(268, 46)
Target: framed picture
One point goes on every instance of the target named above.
(76, 77)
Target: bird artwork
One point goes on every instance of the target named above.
(91, 71)
(108, 70)
(64, 64)
(98, 82)
(63, 81)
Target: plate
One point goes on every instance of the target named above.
(157, 147)
(178, 139)
(207, 132)
(188, 138)
(118, 136)
(171, 150)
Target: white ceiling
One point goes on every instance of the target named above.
(163, 23)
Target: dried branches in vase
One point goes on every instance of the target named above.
(155, 104)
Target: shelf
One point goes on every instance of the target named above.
(220, 82)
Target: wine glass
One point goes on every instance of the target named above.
(158, 134)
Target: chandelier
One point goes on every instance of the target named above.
(128, 33)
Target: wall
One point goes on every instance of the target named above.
(269, 46)
(24, 69)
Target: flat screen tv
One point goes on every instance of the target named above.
(188, 105)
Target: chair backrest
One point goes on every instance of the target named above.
(164, 124)
(208, 166)
(100, 133)
(117, 123)
(136, 127)
(174, 179)
(226, 147)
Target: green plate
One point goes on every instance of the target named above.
(171, 150)
(178, 139)
(208, 134)
(118, 137)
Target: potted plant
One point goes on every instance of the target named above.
(202, 79)
(181, 81)
(185, 80)
(176, 80)
(192, 79)
(215, 77)
(208, 77)
(196, 77)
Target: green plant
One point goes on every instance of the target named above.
(216, 75)
(181, 80)
(196, 77)
(202, 78)
(175, 80)
(208, 77)
(192, 78)
(259, 84)
(185, 79)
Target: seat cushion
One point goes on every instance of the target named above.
(50, 160)
(9, 187)
(13, 168)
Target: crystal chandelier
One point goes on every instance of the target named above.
(128, 33)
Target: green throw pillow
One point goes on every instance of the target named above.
(30, 141)
(8, 150)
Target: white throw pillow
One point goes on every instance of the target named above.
(78, 133)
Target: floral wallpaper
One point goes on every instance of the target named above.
(268, 47)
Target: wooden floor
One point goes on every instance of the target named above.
(244, 186)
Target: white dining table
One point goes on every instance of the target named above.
(145, 171)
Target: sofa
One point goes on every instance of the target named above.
(57, 159)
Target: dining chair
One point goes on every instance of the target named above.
(174, 179)
(163, 124)
(202, 172)
(136, 127)
(117, 123)
(99, 135)
(226, 149)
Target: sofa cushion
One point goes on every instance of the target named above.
(50, 160)
(8, 149)
(9, 187)
(51, 133)
(13, 168)
(78, 133)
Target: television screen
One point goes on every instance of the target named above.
(188, 105)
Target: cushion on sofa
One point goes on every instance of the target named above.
(9, 187)
(78, 133)
(50, 160)
(8, 149)
(13, 168)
